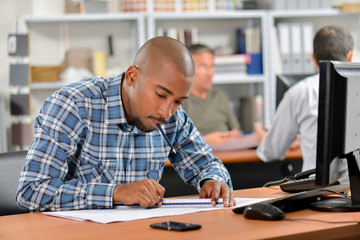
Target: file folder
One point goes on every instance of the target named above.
(284, 46)
(308, 35)
(296, 48)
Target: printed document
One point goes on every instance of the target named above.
(129, 213)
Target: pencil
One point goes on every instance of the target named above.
(166, 138)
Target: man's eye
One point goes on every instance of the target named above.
(160, 95)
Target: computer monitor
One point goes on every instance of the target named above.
(284, 82)
(339, 130)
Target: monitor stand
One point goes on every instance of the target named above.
(342, 204)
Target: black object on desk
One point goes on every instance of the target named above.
(298, 201)
(263, 211)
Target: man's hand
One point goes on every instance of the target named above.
(260, 132)
(217, 137)
(214, 189)
(234, 133)
(147, 193)
(296, 143)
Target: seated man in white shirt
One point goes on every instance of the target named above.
(298, 111)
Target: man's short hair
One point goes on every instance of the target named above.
(332, 43)
(200, 48)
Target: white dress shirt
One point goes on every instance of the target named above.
(296, 114)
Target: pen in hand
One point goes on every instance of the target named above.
(166, 138)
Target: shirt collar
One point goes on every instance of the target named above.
(114, 105)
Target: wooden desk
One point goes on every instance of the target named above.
(247, 155)
(219, 224)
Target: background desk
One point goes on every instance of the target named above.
(246, 170)
(219, 224)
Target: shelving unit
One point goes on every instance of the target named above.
(319, 18)
(52, 36)
(222, 33)
(136, 22)
(215, 28)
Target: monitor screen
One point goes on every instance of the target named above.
(284, 82)
(339, 128)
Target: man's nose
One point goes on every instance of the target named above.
(165, 110)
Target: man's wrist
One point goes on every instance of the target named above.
(203, 181)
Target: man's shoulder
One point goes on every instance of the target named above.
(309, 83)
(94, 86)
(217, 94)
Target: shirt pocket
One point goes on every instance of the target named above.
(155, 165)
(94, 169)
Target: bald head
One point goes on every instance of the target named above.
(159, 50)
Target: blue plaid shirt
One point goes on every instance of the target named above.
(83, 146)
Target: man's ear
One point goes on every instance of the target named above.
(131, 75)
(314, 60)
(350, 55)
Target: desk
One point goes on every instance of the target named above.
(219, 224)
(245, 168)
(247, 155)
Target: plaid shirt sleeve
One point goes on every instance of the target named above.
(44, 183)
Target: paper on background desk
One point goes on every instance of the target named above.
(130, 213)
(244, 142)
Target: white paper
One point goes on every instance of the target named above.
(244, 142)
(130, 213)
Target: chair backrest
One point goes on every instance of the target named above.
(11, 164)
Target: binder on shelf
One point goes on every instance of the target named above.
(19, 104)
(18, 44)
(255, 66)
(240, 41)
(284, 43)
(253, 49)
(296, 48)
(307, 36)
(19, 74)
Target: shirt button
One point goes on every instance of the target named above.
(153, 174)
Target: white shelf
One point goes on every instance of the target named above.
(245, 14)
(233, 78)
(47, 85)
(306, 13)
(75, 17)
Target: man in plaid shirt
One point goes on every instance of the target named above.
(96, 141)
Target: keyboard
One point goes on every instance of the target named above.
(299, 185)
(300, 200)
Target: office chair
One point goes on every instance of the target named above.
(11, 164)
